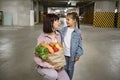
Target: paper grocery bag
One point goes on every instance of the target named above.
(57, 58)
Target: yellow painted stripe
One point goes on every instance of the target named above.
(103, 19)
(118, 24)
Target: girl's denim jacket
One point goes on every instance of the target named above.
(76, 49)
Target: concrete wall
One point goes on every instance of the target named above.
(119, 7)
(20, 10)
(118, 24)
(104, 6)
(104, 14)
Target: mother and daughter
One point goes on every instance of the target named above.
(70, 37)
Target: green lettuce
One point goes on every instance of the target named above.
(42, 52)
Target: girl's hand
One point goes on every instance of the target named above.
(76, 59)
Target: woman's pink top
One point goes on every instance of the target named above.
(47, 39)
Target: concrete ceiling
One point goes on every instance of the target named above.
(61, 3)
(64, 3)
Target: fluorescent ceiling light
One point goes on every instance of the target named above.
(73, 3)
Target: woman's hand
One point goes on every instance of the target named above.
(52, 67)
(76, 59)
(56, 67)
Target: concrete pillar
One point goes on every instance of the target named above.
(36, 11)
(118, 14)
(88, 14)
(32, 18)
(41, 13)
(104, 13)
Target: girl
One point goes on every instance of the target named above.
(72, 42)
(49, 72)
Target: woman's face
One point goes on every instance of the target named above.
(56, 24)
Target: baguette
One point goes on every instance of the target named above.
(47, 46)
(58, 46)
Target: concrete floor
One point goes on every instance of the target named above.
(101, 59)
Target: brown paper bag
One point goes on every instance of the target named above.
(57, 58)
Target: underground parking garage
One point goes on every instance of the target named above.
(21, 24)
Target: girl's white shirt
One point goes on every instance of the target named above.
(67, 40)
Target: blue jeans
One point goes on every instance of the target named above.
(69, 67)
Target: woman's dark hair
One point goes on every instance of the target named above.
(48, 22)
(74, 16)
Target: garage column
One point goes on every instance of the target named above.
(118, 14)
(104, 13)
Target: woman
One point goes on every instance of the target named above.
(50, 25)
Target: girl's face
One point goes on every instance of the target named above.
(70, 22)
(56, 24)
